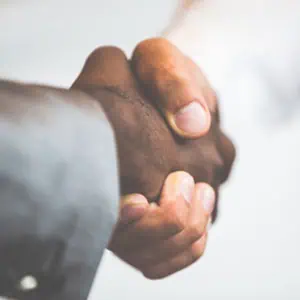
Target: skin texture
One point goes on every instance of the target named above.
(166, 73)
(162, 239)
(148, 150)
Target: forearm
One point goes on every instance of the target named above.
(58, 189)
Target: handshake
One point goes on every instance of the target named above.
(167, 127)
(164, 114)
(59, 192)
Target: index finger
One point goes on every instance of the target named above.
(106, 67)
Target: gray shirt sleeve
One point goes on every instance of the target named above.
(59, 192)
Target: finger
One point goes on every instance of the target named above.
(179, 90)
(160, 222)
(196, 217)
(170, 216)
(146, 231)
(202, 206)
(178, 187)
(133, 208)
(106, 66)
(179, 262)
(197, 226)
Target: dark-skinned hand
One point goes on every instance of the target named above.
(162, 238)
(148, 150)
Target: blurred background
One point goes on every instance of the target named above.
(253, 250)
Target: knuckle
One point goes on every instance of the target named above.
(160, 271)
(148, 44)
(152, 274)
(196, 229)
(185, 259)
(106, 50)
(175, 222)
(156, 49)
(175, 218)
(197, 251)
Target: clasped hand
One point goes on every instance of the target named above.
(167, 127)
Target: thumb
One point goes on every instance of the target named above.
(177, 86)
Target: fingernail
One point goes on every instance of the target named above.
(187, 188)
(192, 119)
(179, 184)
(207, 196)
(133, 208)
